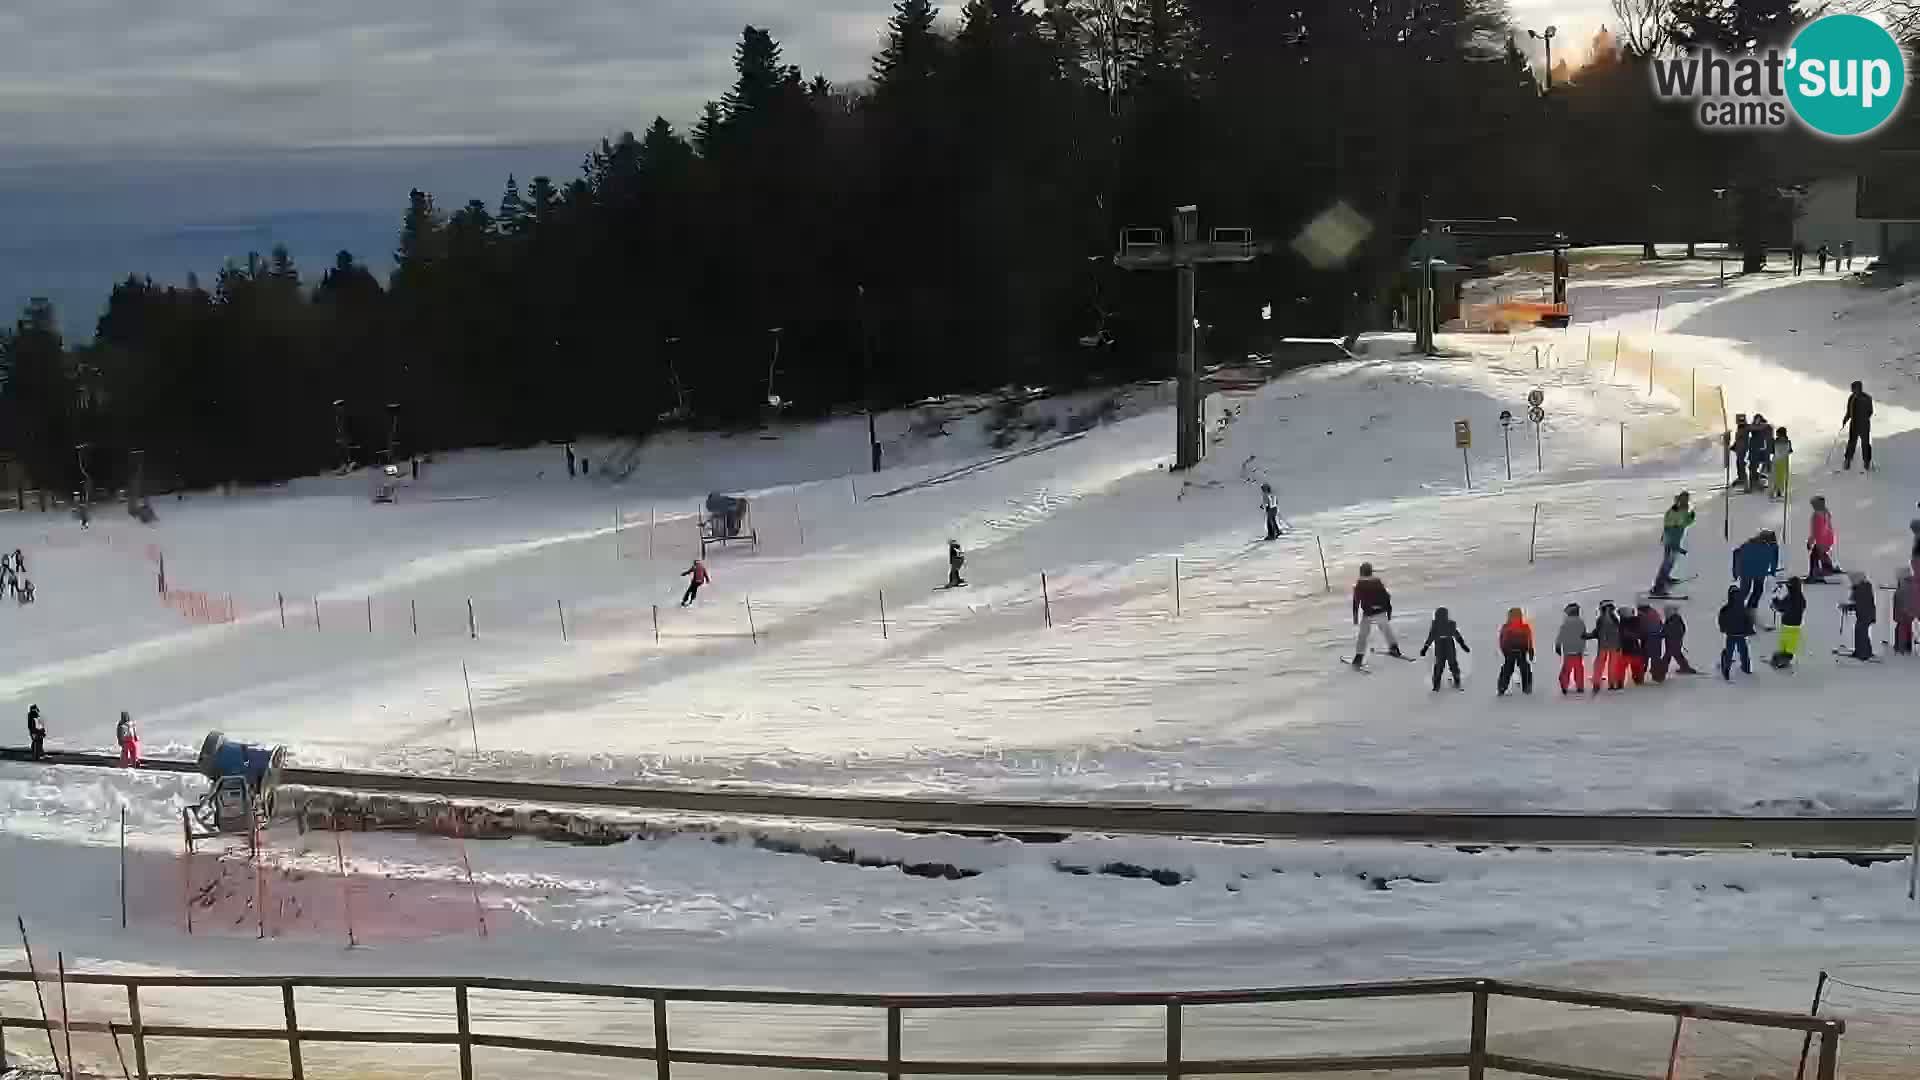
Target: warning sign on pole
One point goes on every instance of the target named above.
(1462, 435)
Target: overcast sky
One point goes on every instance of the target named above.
(187, 112)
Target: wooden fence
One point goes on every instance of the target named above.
(1473, 1057)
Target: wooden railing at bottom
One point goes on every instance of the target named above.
(1474, 1058)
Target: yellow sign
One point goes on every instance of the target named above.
(1462, 435)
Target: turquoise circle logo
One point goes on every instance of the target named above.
(1846, 75)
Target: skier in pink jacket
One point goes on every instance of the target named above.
(1820, 542)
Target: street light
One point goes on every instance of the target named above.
(774, 363)
(1548, 38)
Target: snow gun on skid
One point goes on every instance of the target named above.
(242, 781)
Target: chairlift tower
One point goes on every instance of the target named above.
(1183, 252)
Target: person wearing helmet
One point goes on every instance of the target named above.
(1271, 506)
(1653, 645)
(1791, 606)
(1859, 421)
(1759, 451)
(955, 560)
(1782, 468)
(1736, 622)
(1443, 637)
(1606, 657)
(1372, 606)
(1674, 634)
(36, 733)
(128, 736)
(1570, 644)
(1673, 533)
(1862, 605)
(1820, 538)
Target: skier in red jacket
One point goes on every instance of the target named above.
(697, 575)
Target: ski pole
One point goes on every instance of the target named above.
(1827, 462)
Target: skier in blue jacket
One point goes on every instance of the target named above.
(1753, 563)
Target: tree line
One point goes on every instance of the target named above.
(946, 225)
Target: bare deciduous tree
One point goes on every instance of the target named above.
(1642, 26)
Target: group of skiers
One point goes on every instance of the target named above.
(13, 577)
(1843, 260)
(1762, 455)
(125, 735)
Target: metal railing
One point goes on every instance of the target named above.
(1474, 1057)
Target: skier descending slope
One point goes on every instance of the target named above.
(1736, 621)
(1516, 651)
(1443, 637)
(1271, 505)
(1570, 644)
(1673, 531)
(1372, 606)
(955, 560)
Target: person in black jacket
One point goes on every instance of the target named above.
(955, 560)
(36, 732)
(1633, 646)
(1859, 421)
(1675, 627)
(1861, 602)
(1736, 621)
(1792, 606)
(1443, 637)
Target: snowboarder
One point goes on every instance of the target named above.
(696, 576)
(36, 733)
(1443, 637)
(955, 560)
(1753, 563)
(1516, 651)
(1759, 451)
(1673, 530)
(1782, 470)
(1570, 645)
(1372, 606)
(1736, 621)
(1862, 606)
(570, 459)
(1606, 636)
(1824, 253)
(1820, 542)
(1903, 611)
(1674, 627)
(128, 737)
(1791, 606)
(1653, 645)
(1859, 421)
(1846, 254)
(1272, 507)
(1632, 657)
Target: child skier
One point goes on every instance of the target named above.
(1570, 645)
(1759, 451)
(1632, 657)
(1820, 542)
(1792, 609)
(1674, 628)
(1673, 530)
(1372, 606)
(697, 576)
(1271, 506)
(1606, 635)
(955, 560)
(36, 733)
(1782, 469)
(1516, 651)
(1736, 621)
(1443, 637)
(128, 737)
(1653, 645)
(1861, 603)
(1903, 611)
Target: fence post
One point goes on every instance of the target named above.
(1324, 576)
(369, 614)
(1623, 444)
(1615, 377)
(1673, 1053)
(1173, 1039)
(139, 1032)
(465, 1026)
(1533, 536)
(751, 631)
(1806, 1043)
(1046, 599)
(123, 868)
(282, 597)
(473, 725)
(1477, 1038)
(662, 1053)
(413, 616)
(1829, 1053)
(1693, 393)
(316, 614)
(1176, 586)
(883, 614)
(473, 628)
(1589, 345)
(1650, 362)
(293, 1032)
(651, 513)
(561, 607)
(656, 624)
(893, 1042)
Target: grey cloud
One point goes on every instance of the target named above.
(290, 73)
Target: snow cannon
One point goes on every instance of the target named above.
(728, 518)
(243, 779)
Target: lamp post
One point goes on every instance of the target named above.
(1548, 38)
(776, 331)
